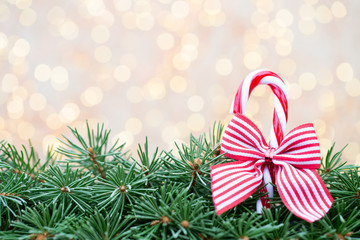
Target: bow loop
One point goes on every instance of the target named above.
(295, 160)
(300, 148)
(242, 140)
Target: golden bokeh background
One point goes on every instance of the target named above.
(165, 68)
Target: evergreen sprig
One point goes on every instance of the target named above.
(64, 187)
(97, 191)
(92, 154)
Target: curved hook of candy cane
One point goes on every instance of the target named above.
(278, 131)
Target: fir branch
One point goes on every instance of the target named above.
(93, 153)
(100, 225)
(45, 222)
(64, 187)
(120, 188)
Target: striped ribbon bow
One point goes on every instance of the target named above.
(295, 161)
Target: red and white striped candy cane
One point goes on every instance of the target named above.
(278, 131)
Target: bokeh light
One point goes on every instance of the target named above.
(165, 68)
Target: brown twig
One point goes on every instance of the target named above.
(16, 171)
(195, 166)
(93, 159)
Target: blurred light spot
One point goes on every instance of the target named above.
(190, 39)
(326, 101)
(325, 77)
(69, 112)
(220, 104)
(180, 63)
(196, 122)
(263, 30)
(284, 18)
(351, 150)
(129, 20)
(37, 101)
(195, 103)
(9, 83)
(56, 15)
(134, 94)
(122, 5)
(2, 123)
(69, 30)
(358, 126)
(125, 137)
(307, 26)
(145, 21)
(154, 89)
(325, 144)
(312, 2)
(27, 17)
(178, 84)
(25, 130)
(91, 96)
(102, 54)
(165, 41)
(21, 92)
(22, 4)
(188, 52)
(353, 87)
(154, 117)
(323, 14)
(100, 34)
(4, 12)
(53, 121)
(133, 125)
(212, 7)
(142, 6)
(59, 78)
(15, 108)
(320, 127)
(265, 6)
(180, 9)
(95, 7)
(122, 73)
(294, 91)
(307, 12)
(169, 133)
(252, 107)
(307, 81)
(224, 66)
(42, 72)
(259, 90)
(252, 60)
(287, 67)
(283, 47)
(49, 141)
(250, 37)
(338, 9)
(345, 72)
(259, 17)
(3, 41)
(21, 48)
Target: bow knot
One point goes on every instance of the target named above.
(269, 154)
(295, 161)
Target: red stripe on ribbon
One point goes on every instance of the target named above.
(295, 160)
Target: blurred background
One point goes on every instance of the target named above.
(166, 68)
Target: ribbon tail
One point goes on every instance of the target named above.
(302, 191)
(232, 183)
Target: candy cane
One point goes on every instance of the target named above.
(278, 131)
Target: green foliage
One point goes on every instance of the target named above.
(96, 191)
(100, 225)
(64, 187)
(92, 155)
